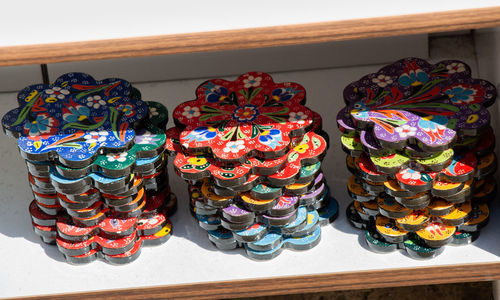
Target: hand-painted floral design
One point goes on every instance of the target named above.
(215, 93)
(271, 138)
(410, 174)
(78, 113)
(297, 117)
(127, 109)
(382, 80)
(464, 94)
(251, 81)
(59, 115)
(57, 92)
(246, 113)
(120, 157)
(254, 109)
(94, 136)
(456, 67)
(43, 124)
(281, 171)
(153, 112)
(406, 130)
(144, 136)
(95, 101)
(284, 94)
(431, 103)
(190, 112)
(234, 147)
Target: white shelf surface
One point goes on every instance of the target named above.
(58, 21)
(30, 267)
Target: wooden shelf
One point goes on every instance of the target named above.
(188, 266)
(246, 38)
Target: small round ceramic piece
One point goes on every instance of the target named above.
(351, 163)
(486, 165)
(212, 199)
(356, 191)
(388, 207)
(444, 187)
(351, 143)
(366, 210)
(415, 181)
(464, 238)
(461, 168)
(464, 194)
(354, 217)
(390, 232)
(377, 244)
(419, 201)
(368, 171)
(389, 161)
(414, 221)
(439, 207)
(436, 234)
(486, 191)
(479, 217)
(419, 250)
(257, 205)
(371, 187)
(459, 214)
(392, 188)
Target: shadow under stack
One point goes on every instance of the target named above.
(96, 166)
(421, 151)
(251, 153)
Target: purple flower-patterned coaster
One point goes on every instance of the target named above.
(413, 101)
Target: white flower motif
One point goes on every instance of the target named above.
(252, 81)
(190, 112)
(120, 157)
(410, 174)
(57, 92)
(95, 101)
(455, 67)
(406, 130)
(94, 136)
(234, 147)
(382, 80)
(298, 117)
(145, 138)
(153, 112)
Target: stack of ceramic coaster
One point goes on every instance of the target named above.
(96, 166)
(420, 149)
(252, 153)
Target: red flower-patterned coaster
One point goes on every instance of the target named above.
(250, 116)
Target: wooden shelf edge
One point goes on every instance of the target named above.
(252, 37)
(304, 284)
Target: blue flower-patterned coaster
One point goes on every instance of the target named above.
(71, 119)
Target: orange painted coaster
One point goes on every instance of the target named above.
(388, 207)
(357, 192)
(458, 215)
(437, 234)
(439, 207)
(414, 221)
(389, 230)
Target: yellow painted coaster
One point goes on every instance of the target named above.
(458, 215)
(414, 221)
(436, 234)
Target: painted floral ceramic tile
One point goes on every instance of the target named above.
(148, 144)
(252, 115)
(415, 100)
(74, 117)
